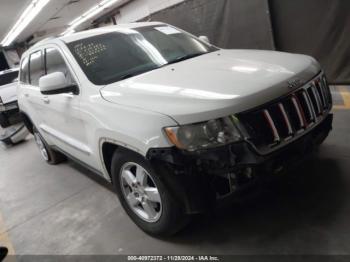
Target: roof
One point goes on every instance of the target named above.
(107, 29)
(93, 32)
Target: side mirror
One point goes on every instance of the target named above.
(204, 39)
(55, 83)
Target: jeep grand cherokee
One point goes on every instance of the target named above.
(175, 123)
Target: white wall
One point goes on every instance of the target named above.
(139, 9)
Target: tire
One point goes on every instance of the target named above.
(49, 155)
(168, 217)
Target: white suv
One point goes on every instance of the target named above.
(176, 124)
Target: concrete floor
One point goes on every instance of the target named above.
(62, 210)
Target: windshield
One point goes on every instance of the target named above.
(8, 78)
(115, 56)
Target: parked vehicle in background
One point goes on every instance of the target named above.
(176, 124)
(12, 128)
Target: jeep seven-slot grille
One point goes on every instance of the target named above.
(289, 116)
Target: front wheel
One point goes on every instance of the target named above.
(144, 196)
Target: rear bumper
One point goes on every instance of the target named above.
(204, 179)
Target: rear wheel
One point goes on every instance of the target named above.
(49, 155)
(144, 196)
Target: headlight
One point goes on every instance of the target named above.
(209, 134)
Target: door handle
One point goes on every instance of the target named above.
(46, 100)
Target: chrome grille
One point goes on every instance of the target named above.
(287, 118)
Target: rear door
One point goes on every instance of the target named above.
(32, 68)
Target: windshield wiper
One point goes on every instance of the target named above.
(176, 60)
(184, 57)
(127, 76)
(135, 73)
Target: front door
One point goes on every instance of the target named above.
(61, 118)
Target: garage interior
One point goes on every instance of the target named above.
(68, 210)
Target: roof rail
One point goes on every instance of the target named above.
(43, 40)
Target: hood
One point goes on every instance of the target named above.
(213, 85)
(8, 93)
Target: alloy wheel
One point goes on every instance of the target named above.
(140, 192)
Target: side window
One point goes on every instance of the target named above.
(54, 62)
(36, 69)
(24, 77)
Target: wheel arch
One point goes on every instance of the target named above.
(27, 122)
(107, 150)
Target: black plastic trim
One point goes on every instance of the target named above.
(94, 170)
(71, 88)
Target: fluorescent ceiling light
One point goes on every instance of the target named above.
(93, 11)
(32, 10)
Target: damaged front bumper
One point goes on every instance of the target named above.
(201, 180)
